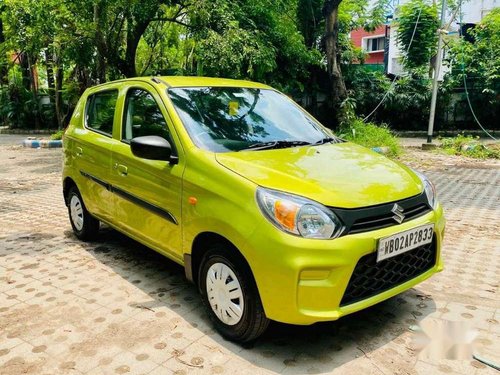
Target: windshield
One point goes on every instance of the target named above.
(223, 119)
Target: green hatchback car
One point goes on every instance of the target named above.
(271, 215)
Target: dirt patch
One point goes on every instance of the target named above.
(437, 160)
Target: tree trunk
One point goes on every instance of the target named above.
(102, 48)
(134, 34)
(49, 66)
(33, 86)
(25, 70)
(58, 91)
(81, 75)
(314, 91)
(4, 70)
(338, 90)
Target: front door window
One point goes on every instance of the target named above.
(143, 116)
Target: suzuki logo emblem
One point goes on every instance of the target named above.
(397, 210)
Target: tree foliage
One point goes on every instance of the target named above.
(81, 43)
(58, 48)
(257, 40)
(475, 61)
(417, 23)
(480, 58)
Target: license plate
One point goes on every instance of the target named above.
(402, 242)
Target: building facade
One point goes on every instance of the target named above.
(382, 49)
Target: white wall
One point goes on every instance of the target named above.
(394, 58)
(473, 11)
(394, 65)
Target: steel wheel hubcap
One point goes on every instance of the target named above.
(224, 294)
(76, 212)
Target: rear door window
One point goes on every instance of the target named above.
(101, 111)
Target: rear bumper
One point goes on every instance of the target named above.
(302, 281)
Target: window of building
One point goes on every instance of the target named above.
(376, 44)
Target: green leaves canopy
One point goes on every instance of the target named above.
(257, 40)
(423, 37)
(480, 59)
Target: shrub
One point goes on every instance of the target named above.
(406, 103)
(16, 106)
(57, 136)
(370, 135)
(468, 146)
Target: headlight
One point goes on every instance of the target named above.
(430, 190)
(298, 215)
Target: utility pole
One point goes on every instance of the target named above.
(388, 19)
(437, 68)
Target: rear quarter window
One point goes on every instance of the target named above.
(100, 111)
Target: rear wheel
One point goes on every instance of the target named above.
(230, 295)
(84, 225)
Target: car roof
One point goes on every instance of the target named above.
(179, 81)
(185, 81)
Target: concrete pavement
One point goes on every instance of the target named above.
(116, 307)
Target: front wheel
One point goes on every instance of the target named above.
(230, 295)
(84, 225)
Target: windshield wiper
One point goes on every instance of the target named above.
(274, 144)
(326, 140)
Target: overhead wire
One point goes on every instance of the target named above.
(465, 76)
(393, 83)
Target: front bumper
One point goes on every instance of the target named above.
(302, 281)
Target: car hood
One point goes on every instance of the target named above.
(338, 175)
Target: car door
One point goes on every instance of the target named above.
(92, 151)
(147, 192)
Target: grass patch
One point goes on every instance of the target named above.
(57, 136)
(466, 145)
(371, 135)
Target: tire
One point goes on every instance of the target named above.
(85, 226)
(233, 278)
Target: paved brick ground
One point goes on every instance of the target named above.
(115, 307)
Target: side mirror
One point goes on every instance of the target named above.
(151, 147)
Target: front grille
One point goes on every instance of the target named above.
(357, 220)
(382, 221)
(371, 278)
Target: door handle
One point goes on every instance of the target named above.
(122, 169)
(78, 151)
